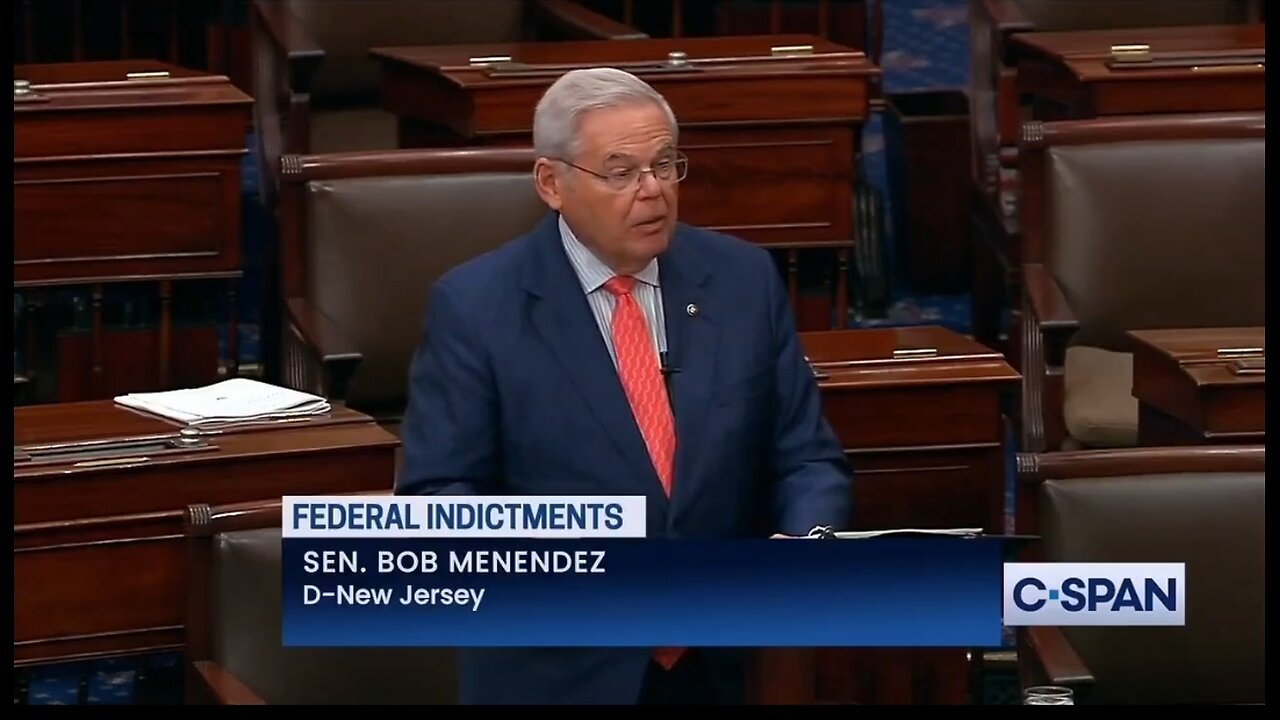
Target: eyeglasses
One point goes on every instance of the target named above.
(627, 179)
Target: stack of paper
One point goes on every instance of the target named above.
(239, 400)
(908, 532)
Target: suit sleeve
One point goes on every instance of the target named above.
(451, 430)
(814, 477)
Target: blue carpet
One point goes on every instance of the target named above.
(256, 228)
(121, 681)
(926, 47)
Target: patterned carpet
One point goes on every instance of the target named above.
(925, 48)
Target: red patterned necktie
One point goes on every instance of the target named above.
(642, 380)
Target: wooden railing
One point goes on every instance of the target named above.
(197, 34)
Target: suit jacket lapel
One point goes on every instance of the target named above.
(563, 318)
(690, 314)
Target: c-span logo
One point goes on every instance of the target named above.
(1094, 594)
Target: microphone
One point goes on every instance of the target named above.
(668, 372)
(665, 365)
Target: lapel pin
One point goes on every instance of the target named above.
(691, 310)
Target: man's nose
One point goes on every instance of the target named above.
(649, 185)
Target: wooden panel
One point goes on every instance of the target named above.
(97, 131)
(892, 676)
(132, 361)
(775, 187)
(74, 422)
(99, 588)
(118, 216)
(930, 488)
(891, 417)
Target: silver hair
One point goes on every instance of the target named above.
(559, 112)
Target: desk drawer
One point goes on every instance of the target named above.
(111, 588)
(99, 560)
(902, 416)
(929, 488)
(113, 218)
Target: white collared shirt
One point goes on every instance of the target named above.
(593, 274)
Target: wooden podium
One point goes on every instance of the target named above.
(771, 126)
(1200, 385)
(1071, 75)
(920, 412)
(100, 493)
(124, 172)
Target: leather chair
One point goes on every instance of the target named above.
(1204, 507)
(364, 236)
(317, 89)
(997, 111)
(1130, 223)
(234, 629)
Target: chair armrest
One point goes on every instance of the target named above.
(576, 21)
(1046, 330)
(225, 688)
(287, 58)
(1049, 314)
(1054, 656)
(313, 338)
(1007, 15)
(1045, 300)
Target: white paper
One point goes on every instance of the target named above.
(862, 535)
(231, 401)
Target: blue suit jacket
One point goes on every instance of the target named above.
(512, 391)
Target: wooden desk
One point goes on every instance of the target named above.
(98, 540)
(1199, 386)
(772, 141)
(1211, 68)
(920, 412)
(125, 174)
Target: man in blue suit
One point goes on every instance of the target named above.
(615, 351)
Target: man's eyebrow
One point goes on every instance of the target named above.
(665, 150)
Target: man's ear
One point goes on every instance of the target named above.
(547, 181)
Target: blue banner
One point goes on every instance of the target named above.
(611, 592)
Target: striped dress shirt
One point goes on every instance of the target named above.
(593, 274)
